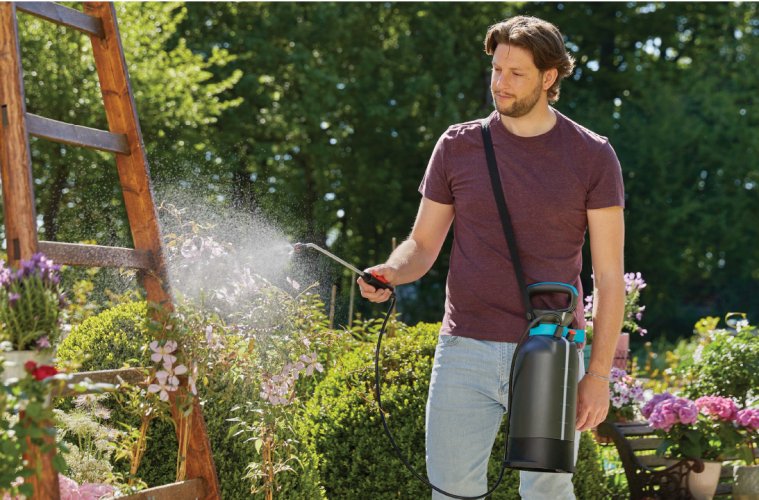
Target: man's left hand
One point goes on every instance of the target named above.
(592, 402)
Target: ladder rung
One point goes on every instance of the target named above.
(75, 254)
(65, 16)
(190, 489)
(76, 135)
(132, 376)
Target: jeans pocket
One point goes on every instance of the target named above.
(449, 340)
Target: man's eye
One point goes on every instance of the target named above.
(517, 74)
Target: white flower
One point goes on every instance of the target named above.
(311, 363)
(163, 352)
(293, 283)
(164, 385)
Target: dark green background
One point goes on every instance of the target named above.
(240, 103)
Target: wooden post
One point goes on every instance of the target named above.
(19, 214)
(133, 168)
(45, 484)
(353, 295)
(332, 306)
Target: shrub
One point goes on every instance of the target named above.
(358, 460)
(726, 366)
(116, 336)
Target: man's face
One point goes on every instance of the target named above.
(515, 82)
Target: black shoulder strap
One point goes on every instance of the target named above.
(511, 240)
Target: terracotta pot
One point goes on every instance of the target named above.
(746, 482)
(702, 485)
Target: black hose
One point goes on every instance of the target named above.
(508, 409)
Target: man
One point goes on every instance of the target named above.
(559, 178)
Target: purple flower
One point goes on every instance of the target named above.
(638, 316)
(12, 298)
(749, 419)
(43, 342)
(648, 408)
(718, 408)
(687, 410)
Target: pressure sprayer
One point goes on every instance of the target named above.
(540, 433)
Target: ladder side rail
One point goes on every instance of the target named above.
(19, 213)
(133, 169)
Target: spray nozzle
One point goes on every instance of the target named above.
(298, 246)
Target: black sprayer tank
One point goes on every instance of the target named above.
(542, 429)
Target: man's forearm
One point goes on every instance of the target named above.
(608, 312)
(411, 260)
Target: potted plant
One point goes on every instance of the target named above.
(702, 429)
(746, 477)
(633, 313)
(30, 314)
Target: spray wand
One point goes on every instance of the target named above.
(372, 278)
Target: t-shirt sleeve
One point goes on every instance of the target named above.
(435, 185)
(606, 183)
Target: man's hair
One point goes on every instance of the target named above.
(542, 39)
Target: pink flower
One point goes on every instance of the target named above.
(164, 385)
(68, 488)
(671, 411)
(163, 352)
(94, 491)
(648, 408)
(311, 363)
(748, 418)
(293, 283)
(718, 408)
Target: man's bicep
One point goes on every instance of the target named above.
(607, 241)
(432, 224)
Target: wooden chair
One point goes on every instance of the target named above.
(646, 476)
(124, 140)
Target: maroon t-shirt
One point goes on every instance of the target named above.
(549, 182)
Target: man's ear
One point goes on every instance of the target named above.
(549, 77)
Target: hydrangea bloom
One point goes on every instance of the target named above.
(718, 408)
(671, 411)
(648, 408)
(748, 418)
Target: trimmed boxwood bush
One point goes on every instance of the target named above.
(117, 335)
(358, 460)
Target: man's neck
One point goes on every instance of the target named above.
(538, 121)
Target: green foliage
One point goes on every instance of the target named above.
(77, 191)
(589, 478)
(30, 304)
(116, 336)
(358, 460)
(112, 338)
(726, 366)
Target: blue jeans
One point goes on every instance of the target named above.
(467, 400)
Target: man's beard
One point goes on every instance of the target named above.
(520, 107)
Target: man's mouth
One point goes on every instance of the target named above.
(503, 96)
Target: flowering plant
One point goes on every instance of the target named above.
(633, 312)
(625, 394)
(31, 304)
(748, 420)
(703, 428)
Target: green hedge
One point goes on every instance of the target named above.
(117, 335)
(358, 460)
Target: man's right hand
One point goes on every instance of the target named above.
(371, 293)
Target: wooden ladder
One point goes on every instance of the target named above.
(124, 140)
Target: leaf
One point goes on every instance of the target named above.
(259, 443)
(26, 489)
(59, 464)
(664, 446)
(34, 409)
(693, 435)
